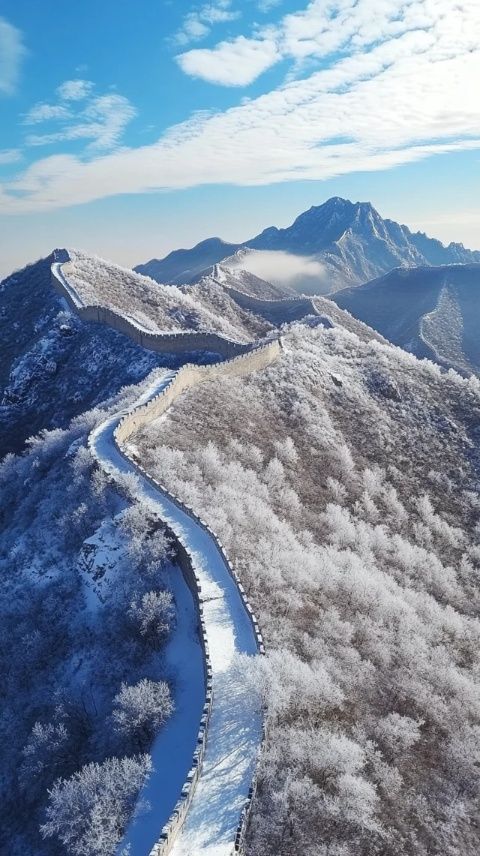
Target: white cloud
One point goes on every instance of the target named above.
(12, 52)
(198, 23)
(279, 267)
(74, 90)
(322, 30)
(101, 119)
(235, 63)
(406, 98)
(42, 112)
(8, 156)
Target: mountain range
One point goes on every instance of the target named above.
(342, 477)
(55, 365)
(350, 241)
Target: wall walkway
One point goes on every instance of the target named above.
(212, 810)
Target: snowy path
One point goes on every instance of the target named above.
(235, 727)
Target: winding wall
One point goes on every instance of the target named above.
(186, 377)
(284, 310)
(277, 310)
(162, 342)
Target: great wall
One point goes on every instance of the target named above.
(254, 359)
(163, 342)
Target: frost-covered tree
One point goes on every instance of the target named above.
(43, 755)
(153, 615)
(140, 709)
(88, 812)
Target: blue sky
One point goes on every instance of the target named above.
(129, 129)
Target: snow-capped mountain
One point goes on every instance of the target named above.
(351, 240)
(431, 311)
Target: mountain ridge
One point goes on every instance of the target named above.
(431, 311)
(351, 241)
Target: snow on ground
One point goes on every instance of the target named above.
(442, 330)
(235, 727)
(97, 563)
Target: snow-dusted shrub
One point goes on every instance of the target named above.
(153, 615)
(88, 812)
(148, 545)
(140, 709)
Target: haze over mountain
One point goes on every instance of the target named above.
(351, 242)
(433, 312)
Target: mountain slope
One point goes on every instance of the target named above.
(156, 307)
(343, 481)
(54, 366)
(183, 266)
(351, 240)
(431, 311)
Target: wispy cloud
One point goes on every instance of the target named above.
(42, 112)
(100, 119)
(8, 156)
(266, 5)
(74, 90)
(198, 22)
(394, 100)
(12, 52)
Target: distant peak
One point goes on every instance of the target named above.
(335, 202)
(338, 205)
(212, 242)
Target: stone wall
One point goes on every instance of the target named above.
(190, 375)
(253, 359)
(162, 342)
(185, 378)
(279, 311)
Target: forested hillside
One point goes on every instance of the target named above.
(343, 481)
(53, 366)
(85, 612)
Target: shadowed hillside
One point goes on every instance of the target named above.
(433, 312)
